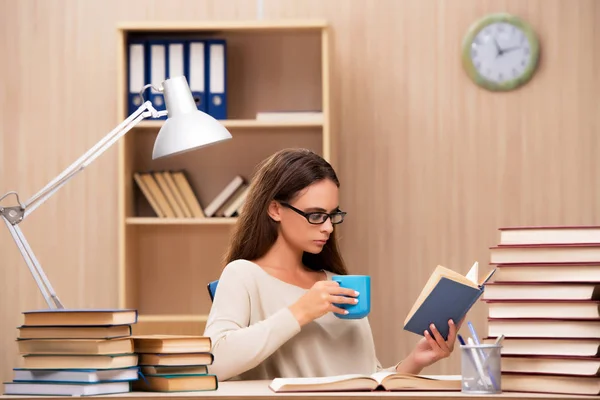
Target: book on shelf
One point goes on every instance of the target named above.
(383, 380)
(446, 295)
(545, 300)
(169, 194)
(154, 194)
(141, 181)
(221, 198)
(189, 197)
(174, 204)
(234, 203)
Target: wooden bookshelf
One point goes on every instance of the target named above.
(165, 264)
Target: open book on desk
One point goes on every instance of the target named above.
(446, 295)
(383, 380)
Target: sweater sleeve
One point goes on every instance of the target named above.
(238, 346)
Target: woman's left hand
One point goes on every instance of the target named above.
(431, 349)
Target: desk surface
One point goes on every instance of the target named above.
(260, 389)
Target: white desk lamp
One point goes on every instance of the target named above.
(186, 128)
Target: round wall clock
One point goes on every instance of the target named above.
(500, 52)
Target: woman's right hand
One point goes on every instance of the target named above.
(320, 300)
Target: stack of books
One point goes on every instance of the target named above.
(75, 353)
(174, 363)
(545, 301)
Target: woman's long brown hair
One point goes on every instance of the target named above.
(280, 177)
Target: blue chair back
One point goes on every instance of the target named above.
(212, 288)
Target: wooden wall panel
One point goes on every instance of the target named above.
(430, 165)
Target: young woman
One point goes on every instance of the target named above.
(272, 315)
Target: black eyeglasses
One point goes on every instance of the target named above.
(319, 217)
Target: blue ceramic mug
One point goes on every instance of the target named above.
(360, 283)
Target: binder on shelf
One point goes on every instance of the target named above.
(176, 58)
(195, 62)
(217, 78)
(137, 66)
(158, 62)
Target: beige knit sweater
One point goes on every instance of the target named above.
(255, 336)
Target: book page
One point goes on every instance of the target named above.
(473, 273)
(381, 375)
(278, 383)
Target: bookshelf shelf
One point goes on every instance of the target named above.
(220, 26)
(179, 221)
(165, 264)
(245, 124)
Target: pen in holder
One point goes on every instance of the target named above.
(480, 368)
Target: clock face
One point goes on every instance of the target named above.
(500, 53)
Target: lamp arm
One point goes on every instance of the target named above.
(12, 216)
(144, 111)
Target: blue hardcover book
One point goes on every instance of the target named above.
(446, 295)
(216, 62)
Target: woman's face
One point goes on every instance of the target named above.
(321, 196)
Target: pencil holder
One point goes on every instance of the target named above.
(480, 368)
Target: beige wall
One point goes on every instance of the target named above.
(430, 165)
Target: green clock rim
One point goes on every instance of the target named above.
(511, 84)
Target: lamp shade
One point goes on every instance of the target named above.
(186, 128)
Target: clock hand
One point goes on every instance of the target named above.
(499, 50)
(511, 49)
